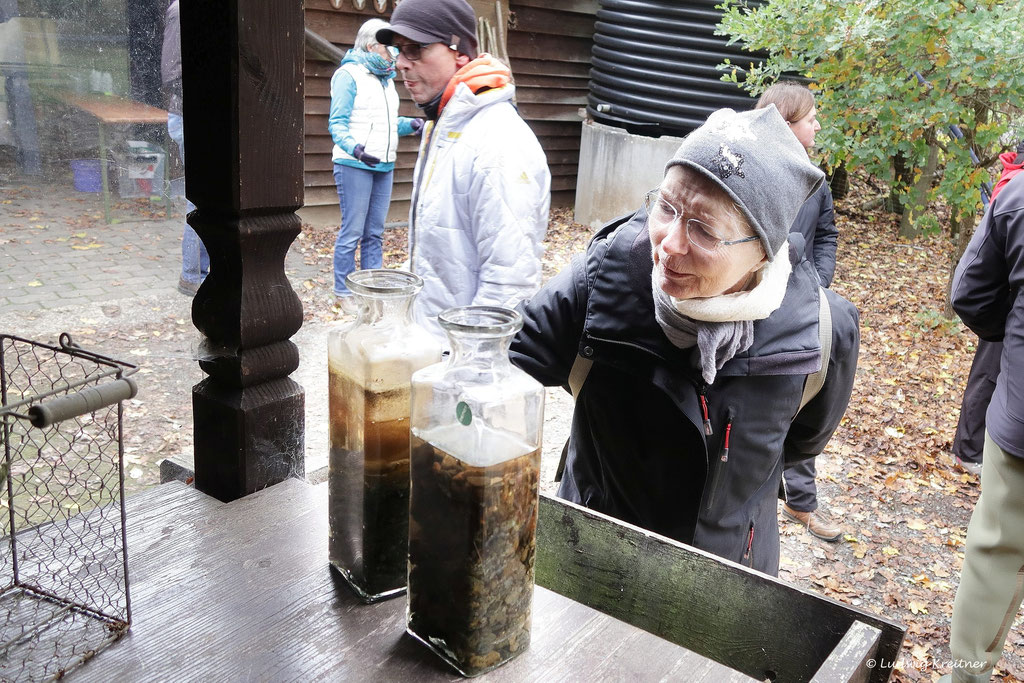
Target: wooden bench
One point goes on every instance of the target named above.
(747, 620)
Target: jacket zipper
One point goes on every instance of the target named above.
(703, 393)
(750, 544)
(369, 135)
(723, 458)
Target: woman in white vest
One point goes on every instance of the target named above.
(365, 126)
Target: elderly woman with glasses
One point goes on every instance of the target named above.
(686, 333)
(365, 126)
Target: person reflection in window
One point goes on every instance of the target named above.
(195, 260)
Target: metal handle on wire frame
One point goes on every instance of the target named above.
(85, 401)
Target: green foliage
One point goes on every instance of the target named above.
(862, 56)
(935, 321)
(929, 225)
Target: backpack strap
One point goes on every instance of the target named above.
(577, 376)
(815, 380)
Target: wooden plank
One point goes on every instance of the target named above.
(849, 660)
(549, 112)
(318, 143)
(550, 81)
(546, 46)
(557, 128)
(553, 19)
(243, 592)
(551, 66)
(573, 98)
(317, 70)
(319, 104)
(758, 624)
(322, 196)
(563, 183)
(317, 162)
(316, 89)
(563, 160)
(564, 197)
(567, 143)
(317, 178)
(579, 6)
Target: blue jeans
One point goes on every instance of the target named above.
(364, 196)
(195, 261)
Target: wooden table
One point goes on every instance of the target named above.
(109, 110)
(242, 591)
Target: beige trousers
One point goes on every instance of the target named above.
(992, 581)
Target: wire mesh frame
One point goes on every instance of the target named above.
(64, 559)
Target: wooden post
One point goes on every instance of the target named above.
(242, 63)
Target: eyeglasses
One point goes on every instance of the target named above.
(700, 234)
(411, 51)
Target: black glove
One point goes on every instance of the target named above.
(362, 156)
(417, 126)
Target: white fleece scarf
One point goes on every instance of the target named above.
(722, 326)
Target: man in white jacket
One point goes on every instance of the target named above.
(481, 188)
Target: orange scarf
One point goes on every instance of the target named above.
(484, 72)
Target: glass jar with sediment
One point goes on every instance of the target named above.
(370, 362)
(476, 440)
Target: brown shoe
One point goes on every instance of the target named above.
(817, 524)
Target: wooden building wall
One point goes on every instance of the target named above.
(550, 54)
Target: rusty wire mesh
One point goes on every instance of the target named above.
(63, 556)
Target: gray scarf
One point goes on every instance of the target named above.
(717, 342)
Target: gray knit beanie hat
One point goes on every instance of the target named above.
(755, 158)
(452, 22)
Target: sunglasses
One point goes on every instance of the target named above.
(413, 51)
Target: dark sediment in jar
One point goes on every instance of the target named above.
(368, 488)
(472, 538)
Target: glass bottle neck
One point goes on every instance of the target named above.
(394, 308)
(480, 352)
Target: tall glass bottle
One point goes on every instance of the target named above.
(476, 442)
(370, 362)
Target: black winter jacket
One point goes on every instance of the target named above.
(986, 293)
(638, 449)
(816, 222)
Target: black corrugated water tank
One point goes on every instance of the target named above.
(653, 67)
